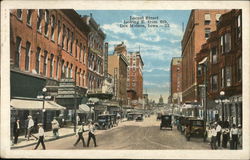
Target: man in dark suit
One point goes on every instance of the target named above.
(16, 130)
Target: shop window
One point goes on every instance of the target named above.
(27, 56)
(18, 51)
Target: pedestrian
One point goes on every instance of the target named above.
(55, 127)
(225, 137)
(213, 137)
(240, 135)
(188, 132)
(41, 136)
(16, 130)
(234, 136)
(80, 135)
(91, 133)
(30, 128)
(218, 130)
(26, 122)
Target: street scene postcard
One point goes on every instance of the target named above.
(110, 79)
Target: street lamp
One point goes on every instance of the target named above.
(43, 97)
(222, 100)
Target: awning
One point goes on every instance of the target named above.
(24, 104)
(83, 108)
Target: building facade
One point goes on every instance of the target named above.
(176, 80)
(223, 55)
(96, 55)
(200, 24)
(135, 79)
(117, 68)
(46, 46)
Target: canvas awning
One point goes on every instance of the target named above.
(28, 104)
(83, 108)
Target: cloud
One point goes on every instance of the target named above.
(157, 85)
(115, 28)
(151, 69)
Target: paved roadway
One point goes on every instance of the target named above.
(131, 135)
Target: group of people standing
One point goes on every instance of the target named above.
(228, 135)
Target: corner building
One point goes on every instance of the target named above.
(200, 24)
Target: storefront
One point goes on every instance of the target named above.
(22, 107)
(84, 113)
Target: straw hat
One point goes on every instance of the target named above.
(39, 124)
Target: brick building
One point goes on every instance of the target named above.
(96, 55)
(200, 24)
(46, 46)
(117, 68)
(135, 79)
(176, 80)
(223, 53)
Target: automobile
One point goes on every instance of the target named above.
(104, 121)
(113, 120)
(196, 127)
(139, 117)
(166, 122)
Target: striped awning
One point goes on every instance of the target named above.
(30, 104)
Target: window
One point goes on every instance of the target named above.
(51, 65)
(57, 66)
(71, 42)
(59, 33)
(199, 72)
(19, 14)
(63, 37)
(238, 27)
(213, 55)
(222, 78)
(207, 32)
(62, 69)
(228, 76)
(214, 82)
(29, 13)
(207, 19)
(39, 20)
(18, 51)
(46, 27)
(80, 54)
(27, 56)
(76, 48)
(217, 17)
(67, 40)
(38, 60)
(227, 42)
(52, 27)
(239, 68)
(45, 58)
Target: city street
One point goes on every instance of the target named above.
(132, 135)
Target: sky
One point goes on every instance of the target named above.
(157, 44)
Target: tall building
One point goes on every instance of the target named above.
(96, 55)
(46, 46)
(117, 68)
(176, 80)
(135, 79)
(219, 64)
(200, 24)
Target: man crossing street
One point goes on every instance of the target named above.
(80, 135)
(91, 133)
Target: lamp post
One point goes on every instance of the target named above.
(222, 95)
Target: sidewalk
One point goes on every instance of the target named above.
(63, 132)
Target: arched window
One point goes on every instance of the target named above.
(45, 61)
(38, 60)
(18, 51)
(29, 15)
(27, 56)
(52, 27)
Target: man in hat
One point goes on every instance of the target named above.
(30, 128)
(80, 135)
(218, 130)
(91, 133)
(55, 127)
(41, 136)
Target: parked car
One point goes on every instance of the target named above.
(166, 122)
(104, 121)
(139, 117)
(196, 127)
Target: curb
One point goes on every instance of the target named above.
(47, 140)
